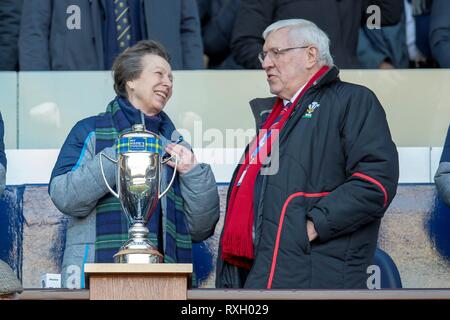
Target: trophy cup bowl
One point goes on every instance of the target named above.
(138, 189)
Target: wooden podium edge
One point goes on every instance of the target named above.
(172, 280)
(130, 268)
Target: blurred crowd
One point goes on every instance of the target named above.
(218, 34)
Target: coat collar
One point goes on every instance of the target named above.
(261, 106)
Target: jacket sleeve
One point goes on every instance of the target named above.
(253, 18)
(201, 201)
(34, 35)
(9, 28)
(2, 179)
(440, 32)
(371, 168)
(2, 143)
(442, 176)
(2, 158)
(77, 183)
(191, 37)
(442, 180)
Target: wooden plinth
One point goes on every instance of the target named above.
(119, 281)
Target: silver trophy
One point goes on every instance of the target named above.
(139, 161)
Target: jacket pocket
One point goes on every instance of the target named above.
(294, 217)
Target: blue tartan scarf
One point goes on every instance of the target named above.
(111, 223)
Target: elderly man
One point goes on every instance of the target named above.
(442, 176)
(305, 205)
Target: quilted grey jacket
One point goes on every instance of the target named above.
(76, 193)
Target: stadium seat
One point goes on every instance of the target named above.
(390, 276)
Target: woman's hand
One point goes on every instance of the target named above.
(186, 159)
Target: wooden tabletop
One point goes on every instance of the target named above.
(101, 268)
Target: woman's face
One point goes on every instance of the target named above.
(151, 91)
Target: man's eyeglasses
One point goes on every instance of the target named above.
(275, 53)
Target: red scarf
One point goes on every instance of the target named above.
(237, 239)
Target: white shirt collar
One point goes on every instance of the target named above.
(285, 102)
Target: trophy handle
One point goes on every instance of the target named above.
(103, 173)
(173, 176)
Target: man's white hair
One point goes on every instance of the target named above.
(304, 32)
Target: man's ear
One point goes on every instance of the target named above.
(312, 57)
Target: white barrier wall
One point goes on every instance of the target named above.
(40, 108)
(35, 166)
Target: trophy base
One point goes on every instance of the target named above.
(138, 256)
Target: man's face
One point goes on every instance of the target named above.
(287, 71)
